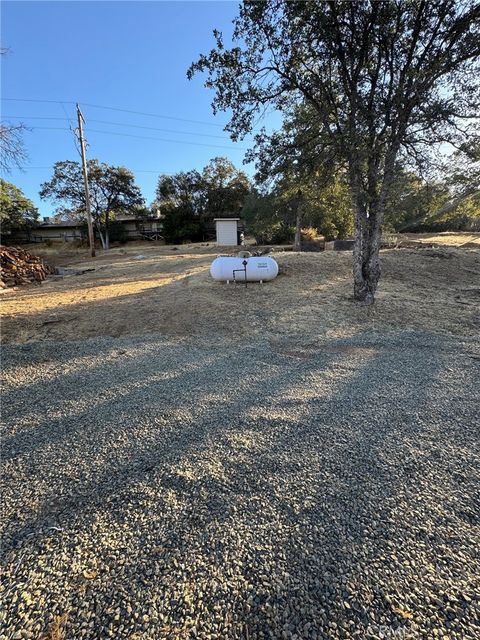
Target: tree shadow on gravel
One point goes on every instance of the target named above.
(140, 398)
(388, 495)
(340, 496)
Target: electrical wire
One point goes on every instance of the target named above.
(74, 132)
(98, 106)
(125, 124)
(132, 135)
(157, 171)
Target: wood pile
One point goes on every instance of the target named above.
(18, 266)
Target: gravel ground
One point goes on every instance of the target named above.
(159, 488)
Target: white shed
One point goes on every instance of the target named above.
(227, 231)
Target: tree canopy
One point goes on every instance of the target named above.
(225, 187)
(17, 212)
(112, 191)
(378, 78)
(219, 189)
(12, 147)
(189, 199)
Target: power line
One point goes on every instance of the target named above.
(98, 106)
(36, 100)
(74, 132)
(155, 115)
(158, 171)
(123, 124)
(132, 135)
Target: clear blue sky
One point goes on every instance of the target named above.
(129, 55)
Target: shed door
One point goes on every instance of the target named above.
(227, 232)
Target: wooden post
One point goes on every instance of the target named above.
(91, 238)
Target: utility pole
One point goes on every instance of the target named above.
(91, 238)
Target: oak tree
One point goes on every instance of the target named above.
(112, 191)
(381, 78)
(17, 212)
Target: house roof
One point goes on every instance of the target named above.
(215, 219)
(71, 223)
(58, 225)
(125, 217)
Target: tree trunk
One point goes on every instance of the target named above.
(107, 239)
(369, 209)
(297, 245)
(366, 262)
(102, 238)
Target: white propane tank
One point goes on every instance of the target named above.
(259, 269)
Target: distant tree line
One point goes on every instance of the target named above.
(270, 205)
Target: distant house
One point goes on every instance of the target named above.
(137, 228)
(66, 231)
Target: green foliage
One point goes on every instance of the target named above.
(376, 78)
(273, 232)
(329, 208)
(112, 191)
(220, 189)
(184, 190)
(266, 219)
(450, 204)
(451, 217)
(17, 212)
(325, 205)
(188, 199)
(225, 188)
(180, 225)
(117, 232)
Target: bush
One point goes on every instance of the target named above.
(180, 226)
(268, 232)
(330, 231)
(310, 234)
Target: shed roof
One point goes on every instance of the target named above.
(215, 219)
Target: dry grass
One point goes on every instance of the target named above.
(457, 239)
(56, 630)
(172, 292)
(310, 233)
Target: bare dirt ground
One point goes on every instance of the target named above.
(145, 288)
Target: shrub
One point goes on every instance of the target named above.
(268, 232)
(310, 233)
(180, 226)
(330, 231)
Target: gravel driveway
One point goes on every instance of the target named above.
(158, 488)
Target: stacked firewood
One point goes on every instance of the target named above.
(21, 267)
